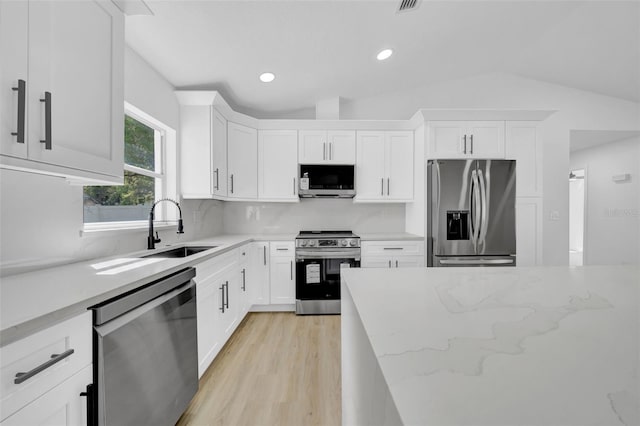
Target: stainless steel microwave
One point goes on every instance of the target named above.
(327, 180)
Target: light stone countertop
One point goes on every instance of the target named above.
(505, 346)
(391, 236)
(36, 300)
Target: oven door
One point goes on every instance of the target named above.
(318, 273)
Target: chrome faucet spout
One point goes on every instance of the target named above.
(151, 239)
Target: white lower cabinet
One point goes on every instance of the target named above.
(52, 395)
(62, 405)
(283, 274)
(258, 274)
(392, 254)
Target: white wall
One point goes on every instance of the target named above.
(612, 208)
(576, 109)
(41, 216)
(312, 214)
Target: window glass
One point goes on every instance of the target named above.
(139, 144)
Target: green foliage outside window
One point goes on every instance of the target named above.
(139, 145)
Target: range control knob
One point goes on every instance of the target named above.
(343, 243)
(352, 243)
(303, 243)
(312, 243)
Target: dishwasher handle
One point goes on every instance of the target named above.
(120, 305)
(109, 327)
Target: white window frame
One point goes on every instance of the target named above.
(165, 178)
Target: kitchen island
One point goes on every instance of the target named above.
(491, 346)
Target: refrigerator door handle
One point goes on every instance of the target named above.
(482, 232)
(475, 215)
(477, 262)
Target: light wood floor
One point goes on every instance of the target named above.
(277, 369)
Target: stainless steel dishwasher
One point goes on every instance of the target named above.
(146, 353)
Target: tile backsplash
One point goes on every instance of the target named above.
(315, 213)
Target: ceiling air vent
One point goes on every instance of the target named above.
(407, 5)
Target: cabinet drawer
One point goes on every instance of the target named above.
(282, 248)
(392, 248)
(31, 352)
(62, 405)
(212, 266)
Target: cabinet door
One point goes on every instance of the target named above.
(485, 139)
(232, 302)
(371, 181)
(522, 145)
(282, 280)
(76, 53)
(242, 161)
(62, 405)
(312, 147)
(219, 154)
(195, 150)
(399, 162)
(446, 139)
(258, 275)
(209, 304)
(341, 146)
(14, 20)
(278, 164)
(528, 231)
(376, 262)
(408, 262)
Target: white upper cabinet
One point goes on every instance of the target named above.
(524, 147)
(384, 170)
(278, 165)
(466, 139)
(14, 34)
(74, 100)
(203, 153)
(327, 147)
(242, 161)
(219, 152)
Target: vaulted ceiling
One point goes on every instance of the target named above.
(323, 49)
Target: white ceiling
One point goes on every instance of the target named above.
(582, 139)
(323, 49)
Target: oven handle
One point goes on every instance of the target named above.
(328, 255)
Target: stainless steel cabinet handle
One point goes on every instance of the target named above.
(381, 186)
(324, 150)
(47, 120)
(471, 144)
(55, 358)
(388, 186)
(465, 144)
(264, 249)
(22, 90)
(244, 279)
(389, 263)
(294, 186)
(217, 172)
(396, 263)
(226, 284)
(330, 153)
(292, 270)
(232, 184)
(222, 298)
(392, 248)
(282, 249)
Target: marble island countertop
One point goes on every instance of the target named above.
(503, 346)
(32, 301)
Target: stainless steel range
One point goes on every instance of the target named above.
(320, 255)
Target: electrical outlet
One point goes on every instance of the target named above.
(554, 215)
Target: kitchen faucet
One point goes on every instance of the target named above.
(151, 240)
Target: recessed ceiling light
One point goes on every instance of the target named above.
(384, 54)
(267, 77)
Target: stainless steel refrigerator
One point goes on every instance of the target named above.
(471, 217)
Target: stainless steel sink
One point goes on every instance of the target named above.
(180, 252)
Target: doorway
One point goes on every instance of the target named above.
(576, 217)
